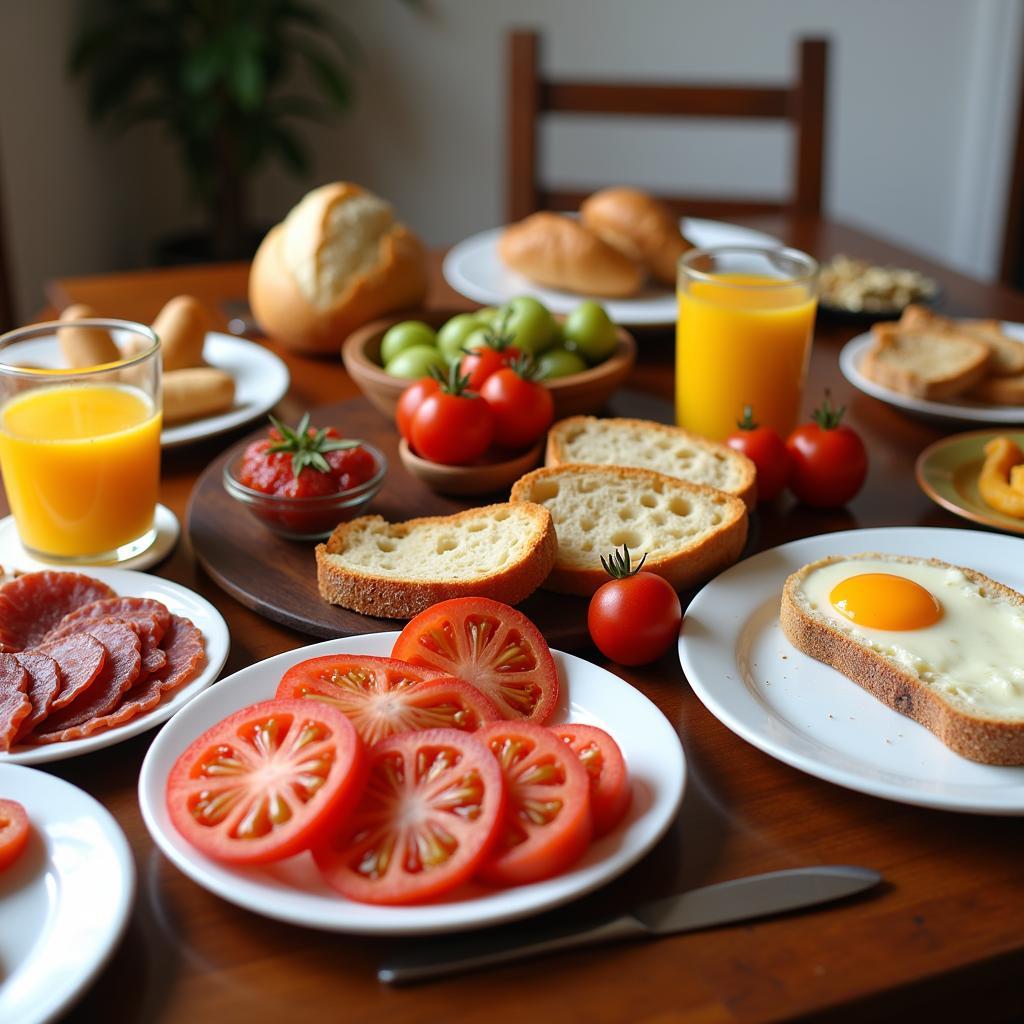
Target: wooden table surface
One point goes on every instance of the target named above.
(944, 932)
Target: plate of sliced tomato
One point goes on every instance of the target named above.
(477, 783)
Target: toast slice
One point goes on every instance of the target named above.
(939, 694)
(1007, 352)
(643, 444)
(927, 364)
(999, 390)
(396, 570)
(688, 531)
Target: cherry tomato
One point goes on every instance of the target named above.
(429, 816)
(382, 696)
(267, 781)
(610, 792)
(489, 645)
(634, 617)
(481, 363)
(546, 825)
(830, 462)
(766, 449)
(14, 832)
(523, 409)
(452, 427)
(410, 400)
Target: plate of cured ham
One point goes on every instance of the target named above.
(87, 661)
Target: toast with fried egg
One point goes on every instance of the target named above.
(941, 644)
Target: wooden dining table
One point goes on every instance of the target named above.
(942, 937)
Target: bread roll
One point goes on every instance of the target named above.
(559, 252)
(338, 260)
(196, 391)
(83, 347)
(181, 327)
(639, 226)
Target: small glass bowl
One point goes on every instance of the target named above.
(304, 518)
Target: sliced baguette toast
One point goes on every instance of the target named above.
(644, 444)
(978, 736)
(933, 365)
(687, 531)
(396, 570)
(1007, 353)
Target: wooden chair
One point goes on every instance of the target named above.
(531, 94)
(6, 296)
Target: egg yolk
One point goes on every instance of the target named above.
(879, 600)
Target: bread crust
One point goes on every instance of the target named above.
(556, 455)
(638, 225)
(978, 738)
(401, 598)
(1000, 390)
(397, 281)
(1007, 353)
(693, 565)
(559, 252)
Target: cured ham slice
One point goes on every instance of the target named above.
(31, 605)
(144, 610)
(80, 658)
(44, 684)
(15, 705)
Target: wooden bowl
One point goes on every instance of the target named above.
(577, 393)
(482, 478)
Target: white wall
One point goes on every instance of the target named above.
(921, 115)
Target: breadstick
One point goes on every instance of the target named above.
(181, 327)
(85, 346)
(196, 391)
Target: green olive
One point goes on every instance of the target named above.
(416, 362)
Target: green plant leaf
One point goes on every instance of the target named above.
(290, 148)
(332, 82)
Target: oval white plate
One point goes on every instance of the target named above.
(181, 601)
(473, 268)
(293, 891)
(261, 381)
(64, 902)
(812, 717)
(954, 409)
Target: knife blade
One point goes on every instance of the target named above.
(740, 899)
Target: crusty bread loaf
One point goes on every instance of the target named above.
(338, 260)
(1007, 353)
(396, 570)
(687, 531)
(559, 252)
(647, 445)
(999, 390)
(989, 739)
(639, 226)
(925, 364)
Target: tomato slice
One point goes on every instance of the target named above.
(14, 832)
(382, 696)
(428, 817)
(547, 814)
(490, 645)
(610, 792)
(267, 781)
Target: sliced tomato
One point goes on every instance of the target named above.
(14, 832)
(490, 645)
(428, 817)
(267, 781)
(547, 823)
(383, 696)
(610, 792)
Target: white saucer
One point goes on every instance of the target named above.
(14, 556)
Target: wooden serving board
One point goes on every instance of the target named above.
(277, 577)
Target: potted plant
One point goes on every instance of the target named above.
(223, 77)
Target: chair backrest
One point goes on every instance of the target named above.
(531, 94)
(6, 295)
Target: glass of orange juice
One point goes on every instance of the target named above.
(80, 447)
(746, 318)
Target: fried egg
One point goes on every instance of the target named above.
(956, 636)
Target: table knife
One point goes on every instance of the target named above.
(741, 899)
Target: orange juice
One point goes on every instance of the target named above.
(741, 339)
(81, 466)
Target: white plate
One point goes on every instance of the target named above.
(64, 902)
(812, 717)
(293, 891)
(261, 381)
(473, 268)
(954, 409)
(181, 601)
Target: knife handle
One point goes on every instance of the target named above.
(466, 953)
